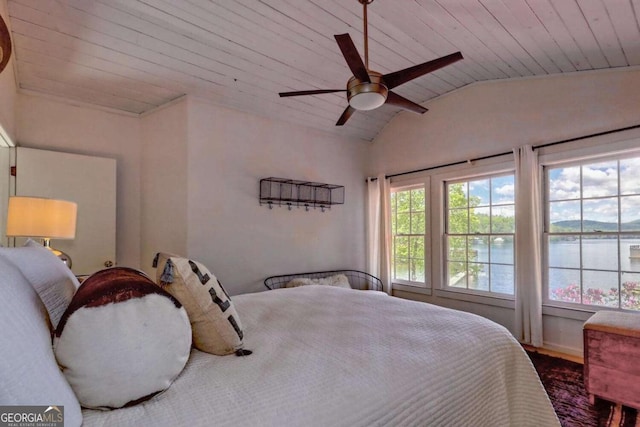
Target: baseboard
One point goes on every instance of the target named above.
(567, 353)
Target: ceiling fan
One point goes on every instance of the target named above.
(368, 89)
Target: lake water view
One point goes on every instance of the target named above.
(564, 262)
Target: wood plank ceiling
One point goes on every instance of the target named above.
(135, 55)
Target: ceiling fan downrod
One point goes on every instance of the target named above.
(366, 32)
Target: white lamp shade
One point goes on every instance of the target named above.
(39, 217)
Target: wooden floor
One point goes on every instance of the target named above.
(552, 353)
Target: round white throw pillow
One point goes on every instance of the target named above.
(122, 339)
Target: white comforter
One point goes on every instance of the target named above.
(338, 357)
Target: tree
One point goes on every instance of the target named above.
(464, 217)
(461, 219)
(408, 227)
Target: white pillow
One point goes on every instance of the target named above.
(54, 282)
(122, 339)
(28, 371)
(214, 321)
(338, 280)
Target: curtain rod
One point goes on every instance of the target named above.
(460, 162)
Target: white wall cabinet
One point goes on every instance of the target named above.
(91, 183)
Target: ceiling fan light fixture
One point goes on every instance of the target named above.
(366, 101)
(367, 96)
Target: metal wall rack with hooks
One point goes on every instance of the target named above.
(290, 192)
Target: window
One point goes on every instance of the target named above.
(479, 235)
(592, 233)
(408, 229)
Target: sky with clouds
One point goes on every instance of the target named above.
(495, 190)
(599, 184)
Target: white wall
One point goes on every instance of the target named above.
(243, 242)
(493, 117)
(164, 172)
(188, 178)
(46, 123)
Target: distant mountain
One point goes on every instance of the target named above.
(570, 226)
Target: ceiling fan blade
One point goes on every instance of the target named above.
(351, 55)
(348, 112)
(399, 77)
(399, 101)
(310, 92)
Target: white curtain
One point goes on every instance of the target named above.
(378, 232)
(528, 258)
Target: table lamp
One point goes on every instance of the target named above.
(42, 218)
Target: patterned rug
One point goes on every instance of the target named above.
(564, 383)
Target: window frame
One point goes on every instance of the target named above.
(489, 235)
(571, 158)
(404, 184)
(613, 143)
(491, 167)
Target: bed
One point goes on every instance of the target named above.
(322, 356)
(355, 278)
